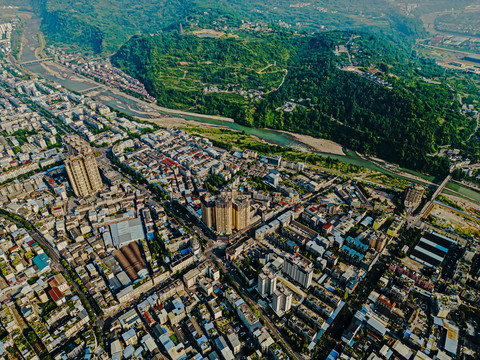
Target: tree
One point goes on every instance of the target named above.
(31, 337)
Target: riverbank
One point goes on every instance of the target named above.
(317, 144)
(192, 125)
(164, 117)
(64, 73)
(396, 170)
(314, 144)
(175, 122)
(48, 67)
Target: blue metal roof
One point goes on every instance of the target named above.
(41, 261)
(333, 355)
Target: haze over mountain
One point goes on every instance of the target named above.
(106, 24)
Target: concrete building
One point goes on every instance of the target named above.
(197, 336)
(241, 212)
(267, 282)
(301, 328)
(282, 300)
(223, 349)
(299, 268)
(223, 215)
(234, 342)
(81, 166)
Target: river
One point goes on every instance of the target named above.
(134, 107)
(124, 103)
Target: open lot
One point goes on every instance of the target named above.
(453, 220)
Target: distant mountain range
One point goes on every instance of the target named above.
(104, 25)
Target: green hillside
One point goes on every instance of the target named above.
(109, 23)
(104, 25)
(178, 68)
(402, 123)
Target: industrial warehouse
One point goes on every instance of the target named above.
(432, 249)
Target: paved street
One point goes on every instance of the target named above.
(209, 253)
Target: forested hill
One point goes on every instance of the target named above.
(107, 24)
(102, 26)
(289, 82)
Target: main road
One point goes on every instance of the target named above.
(210, 254)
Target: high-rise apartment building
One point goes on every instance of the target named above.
(225, 213)
(81, 166)
(299, 268)
(208, 210)
(282, 299)
(262, 284)
(241, 212)
(267, 282)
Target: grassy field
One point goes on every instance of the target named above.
(41, 45)
(387, 180)
(235, 138)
